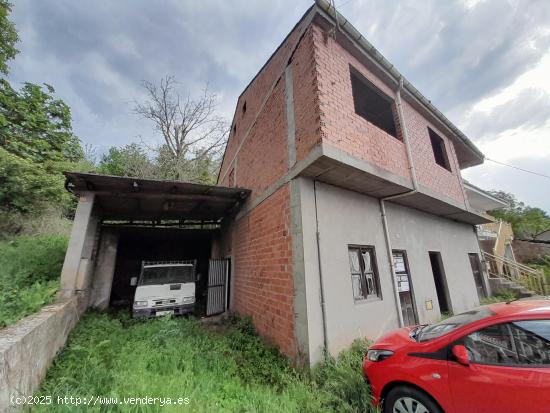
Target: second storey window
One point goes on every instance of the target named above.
(371, 104)
(440, 152)
(364, 276)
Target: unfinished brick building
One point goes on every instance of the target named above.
(340, 211)
(358, 220)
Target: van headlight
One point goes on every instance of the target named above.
(188, 300)
(379, 355)
(138, 304)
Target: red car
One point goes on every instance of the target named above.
(493, 359)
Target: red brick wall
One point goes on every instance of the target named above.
(263, 157)
(262, 284)
(254, 96)
(263, 280)
(428, 172)
(342, 128)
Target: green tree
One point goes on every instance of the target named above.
(129, 160)
(526, 221)
(157, 163)
(37, 144)
(36, 141)
(26, 187)
(8, 37)
(35, 125)
(200, 169)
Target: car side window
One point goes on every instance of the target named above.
(532, 340)
(491, 345)
(511, 344)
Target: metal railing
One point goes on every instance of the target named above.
(509, 270)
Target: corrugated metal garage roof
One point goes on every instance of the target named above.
(133, 199)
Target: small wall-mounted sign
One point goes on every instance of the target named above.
(429, 305)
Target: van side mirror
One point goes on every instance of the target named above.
(133, 281)
(461, 354)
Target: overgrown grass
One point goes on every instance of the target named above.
(29, 274)
(230, 370)
(49, 221)
(503, 297)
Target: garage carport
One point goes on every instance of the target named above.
(120, 221)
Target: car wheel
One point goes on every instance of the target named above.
(405, 399)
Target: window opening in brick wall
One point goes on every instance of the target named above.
(439, 150)
(371, 104)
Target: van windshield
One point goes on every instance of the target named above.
(449, 324)
(167, 275)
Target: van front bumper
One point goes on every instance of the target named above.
(152, 312)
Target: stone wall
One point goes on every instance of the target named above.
(526, 251)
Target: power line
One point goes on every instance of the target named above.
(518, 168)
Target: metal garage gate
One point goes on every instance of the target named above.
(218, 271)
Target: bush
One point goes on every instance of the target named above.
(30, 273)
(543, 264)
(26, 187)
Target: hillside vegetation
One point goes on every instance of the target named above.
(29, 274)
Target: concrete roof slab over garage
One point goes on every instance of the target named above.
(138, 199)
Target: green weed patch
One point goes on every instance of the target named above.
(224, 370)
(29, 274)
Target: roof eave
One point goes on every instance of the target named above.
(326, 9)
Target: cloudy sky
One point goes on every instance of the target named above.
(485, 63)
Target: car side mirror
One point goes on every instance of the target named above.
(461, 354)
(133, 281)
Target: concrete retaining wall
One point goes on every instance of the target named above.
(28, 348)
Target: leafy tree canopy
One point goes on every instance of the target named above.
(129, 160)
(26, 187)
(35, 125)
(526, 221)
(157, 163)
(8, 37)
(36, 145)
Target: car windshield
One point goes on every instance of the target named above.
(167, 275)
(449, 324)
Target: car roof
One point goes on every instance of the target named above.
(521, 307)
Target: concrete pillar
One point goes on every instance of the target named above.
(77, 264)
(291, 125)
(102, 279)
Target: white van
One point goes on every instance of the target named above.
(165, 287)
